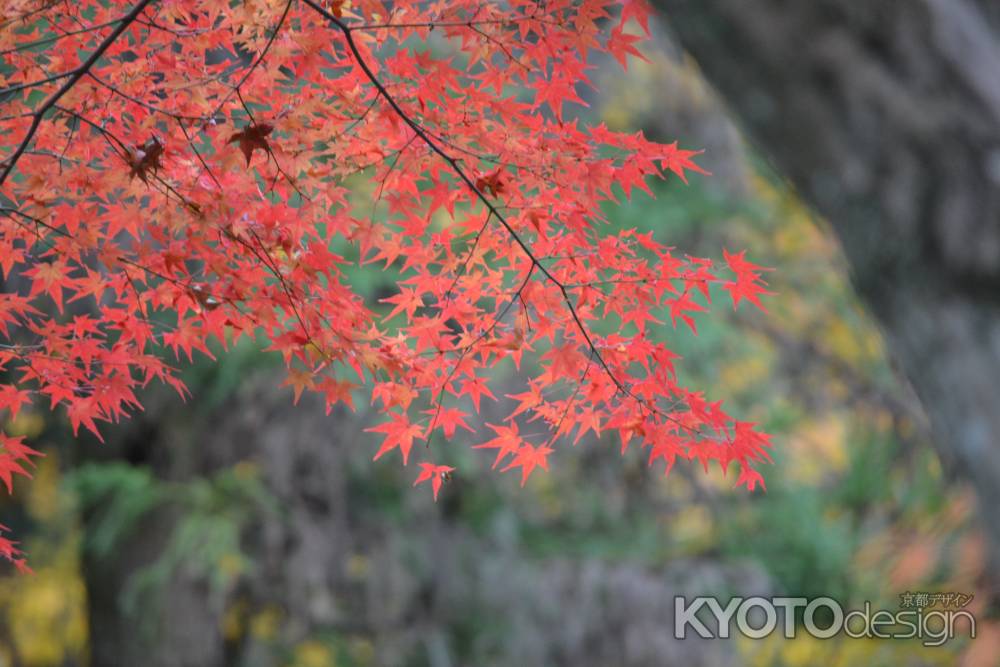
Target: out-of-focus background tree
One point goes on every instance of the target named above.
(235, 529)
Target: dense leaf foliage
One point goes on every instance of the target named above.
(178, 172)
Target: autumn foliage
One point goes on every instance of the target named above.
(175, 173)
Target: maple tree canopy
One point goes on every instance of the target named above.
(178, 172)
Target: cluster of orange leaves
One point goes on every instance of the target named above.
(177, 172)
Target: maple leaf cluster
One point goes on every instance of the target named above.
(174, 174)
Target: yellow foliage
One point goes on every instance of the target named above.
(744, 373)
(806, 651)
(313, 654)
(246, 471)
(46, 616)
(692, 527)
(232, 622)
(266, 623)
(27, 423)
(816, 448)
(844, 341)
(362, 651)
(358, 567)
(231, 565)
(550, 500)
(46, 612)
(42, 495)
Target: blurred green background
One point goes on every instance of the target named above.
(236, 529)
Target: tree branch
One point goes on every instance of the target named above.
(75, 77)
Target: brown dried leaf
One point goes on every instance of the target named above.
(252, 137)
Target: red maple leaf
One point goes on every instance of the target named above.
(476, 388)
(679, 161)
(13, 452)
(449, 419)
(748, 284)
(750, 478)
(507, 441)
(437, 474)
(487, 210)
(527, 458)
(621, 45)
(398, 433)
